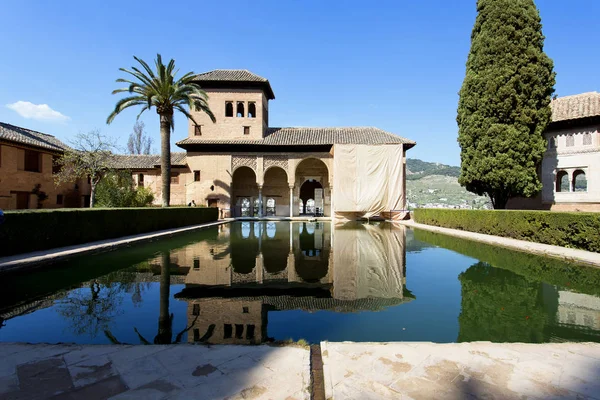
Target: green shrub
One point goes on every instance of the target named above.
(575, 230)
(25, 231)
(117, 189)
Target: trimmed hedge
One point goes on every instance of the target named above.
(574, 230)
(25, 231)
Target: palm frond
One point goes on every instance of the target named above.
(123, 104)
(146, 107)
(145, 66)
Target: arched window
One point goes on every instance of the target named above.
(251, 110)
(570, 140)
(552, 142)
(587, 139)
(245, 203)
(228, 109)
(579, 181)
(240, 109)
(140, 180)
(270, 206)
(256, 207)
(310, 206)
(562, 181)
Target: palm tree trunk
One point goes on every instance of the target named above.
(165, 157)
(92, 193)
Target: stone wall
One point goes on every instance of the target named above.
(570, 150)
(13, 179)
(231, 127)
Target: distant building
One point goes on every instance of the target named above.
(570, 169)
(26, 161)
(247, 168)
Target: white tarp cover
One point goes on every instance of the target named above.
(368, 180)
(368, 261)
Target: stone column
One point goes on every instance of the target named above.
(331, 212)
(260, 201)
(231, 212)
(291, 201)
(570, 175)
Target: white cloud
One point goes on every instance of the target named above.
(41, 112)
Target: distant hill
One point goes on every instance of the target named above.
(417, 169)
(436, 185)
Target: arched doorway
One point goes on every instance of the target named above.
(312, 190)
(244, 192)
(276, 192)
(311, 194)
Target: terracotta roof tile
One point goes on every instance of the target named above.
(235, 78)
(313, 136)
(16, 134)
(230, 75)
(135, 161)
(582, 105)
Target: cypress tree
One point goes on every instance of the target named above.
(504, 104)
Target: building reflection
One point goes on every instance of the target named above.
(253, 268)
(580, 311)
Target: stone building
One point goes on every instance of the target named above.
(571, 165)
(570, 169)
(247, 168)
(26, 161)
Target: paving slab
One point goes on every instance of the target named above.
(38, 371)
(479, 370)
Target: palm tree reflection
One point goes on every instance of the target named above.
(164, 333)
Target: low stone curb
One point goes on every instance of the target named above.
(574, 255)
(28, 260)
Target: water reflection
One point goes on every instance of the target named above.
(289, 266)
(254, 282)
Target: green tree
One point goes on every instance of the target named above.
(161, 90)
(117, 189)
(504, 104)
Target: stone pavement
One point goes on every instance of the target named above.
(479, 370)
(579, 256)
(153, 372)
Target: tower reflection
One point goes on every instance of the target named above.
(253, 268)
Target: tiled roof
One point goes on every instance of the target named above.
(313, 136)
(582, 105)
(222, 78)
(230, 75)
(135, 161)
(16, 134)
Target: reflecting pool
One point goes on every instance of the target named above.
(254, 282)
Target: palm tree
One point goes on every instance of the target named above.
(160, 90)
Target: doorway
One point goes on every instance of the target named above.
(311, 198)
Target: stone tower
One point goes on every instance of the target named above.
(239, 100)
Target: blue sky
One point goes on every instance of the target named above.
(397, 65)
